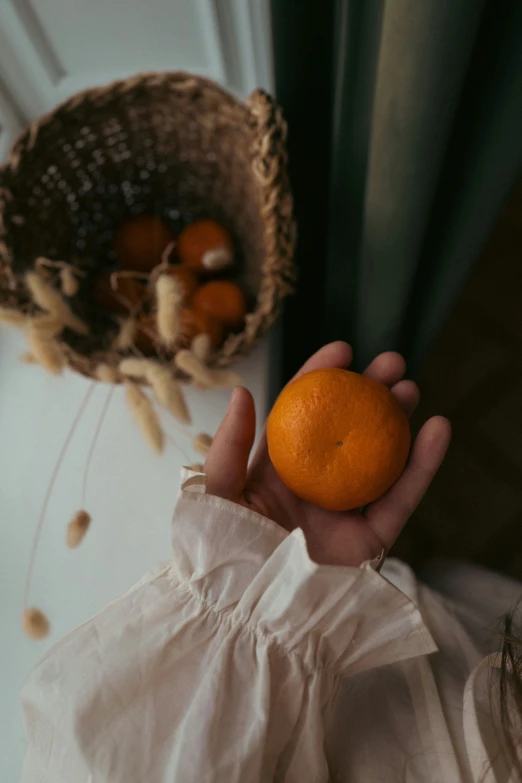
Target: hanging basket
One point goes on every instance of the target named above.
(172, 145)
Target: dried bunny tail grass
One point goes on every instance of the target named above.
(168, 392)
(225, 379)
(69, 281)
(106, 374)
(47, 325)
(77, 528)
(46, 297)
(43, 294)
(12, 317)
(46, 351)
(134, 368)
(35, 623)
(166, 389)
(68, 273)
(45, 504)
(193, 367)
(42, 266)
(202, 443)
(201, 346)
(28, 358)
(145, 416)
(203, 376)
(169, 298)
(217, 259)
(126, 335)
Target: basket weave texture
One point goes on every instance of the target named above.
(170, 144)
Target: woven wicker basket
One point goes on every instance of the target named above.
(172, 144)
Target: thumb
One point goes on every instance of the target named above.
(227, 460)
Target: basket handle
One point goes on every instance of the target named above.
(269, 166)
(269, 130)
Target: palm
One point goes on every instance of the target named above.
(326, 532)
(337, 538)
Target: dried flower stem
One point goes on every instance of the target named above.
(116, 276)
(50, 487)
(114, 282)
(165, 256)
(179, 448)
(94, 441)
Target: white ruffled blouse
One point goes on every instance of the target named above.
(242, 661)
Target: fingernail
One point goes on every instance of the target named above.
(233, 397)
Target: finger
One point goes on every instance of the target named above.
(388, 515)
(408, 396)
(336, 354)
(227, 460)
(387, 368)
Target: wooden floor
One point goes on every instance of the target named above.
(474, 376)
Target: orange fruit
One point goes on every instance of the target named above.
(194, 322)
(140, 242)
(205, 246)
(222, 300)
(338, 439)
(185, 277)
(128, 295)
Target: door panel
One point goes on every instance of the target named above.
(50, 49)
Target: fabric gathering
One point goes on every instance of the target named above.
(242, 660)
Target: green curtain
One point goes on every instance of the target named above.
(424, 129)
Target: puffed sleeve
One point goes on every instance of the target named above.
(221, 666)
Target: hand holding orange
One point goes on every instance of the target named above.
(332, 537)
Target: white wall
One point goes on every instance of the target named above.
(48, 50)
